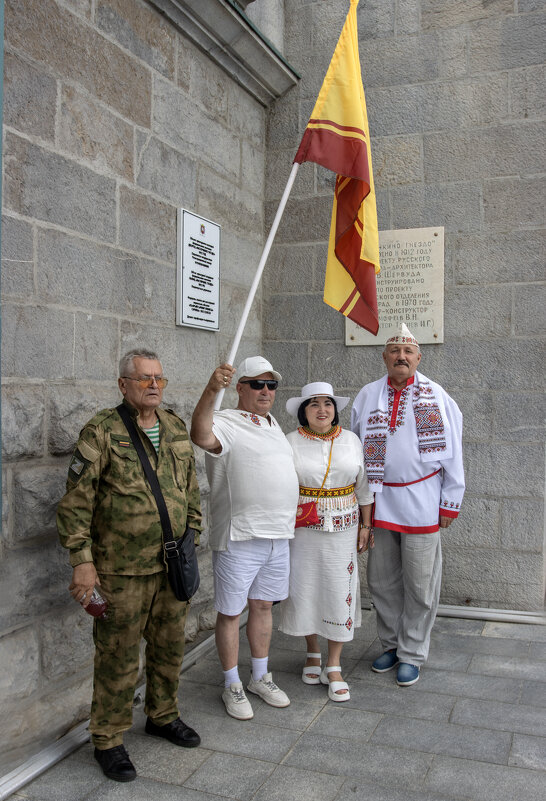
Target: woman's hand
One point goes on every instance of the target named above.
(365, 538)
(365, 530)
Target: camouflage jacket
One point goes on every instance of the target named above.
(109, 515)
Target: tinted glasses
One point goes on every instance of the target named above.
(260, 383)
(147, 381)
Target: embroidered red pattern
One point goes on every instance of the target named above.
(342, 521)
(348, 624)
(430, 427)
(375, 453)
(449, 504)
(333, 433)
(398, 402)
(253, 417)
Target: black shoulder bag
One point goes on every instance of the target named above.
(180, 555)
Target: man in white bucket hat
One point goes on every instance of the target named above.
(411, 431)
(254, 493)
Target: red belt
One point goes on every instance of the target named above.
(407, 483)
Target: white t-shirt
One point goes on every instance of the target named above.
(253, 483)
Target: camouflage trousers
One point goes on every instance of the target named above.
(138, 607)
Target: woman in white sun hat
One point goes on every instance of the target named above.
(324, 590)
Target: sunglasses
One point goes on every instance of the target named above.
(260, 383)
(147, 381)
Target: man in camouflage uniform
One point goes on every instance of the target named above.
(108, 520)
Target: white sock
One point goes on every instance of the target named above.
(231, 676)
(259, 667)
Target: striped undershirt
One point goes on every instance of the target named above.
(153, 434)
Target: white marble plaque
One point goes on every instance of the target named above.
(197, 272)
(410, 287)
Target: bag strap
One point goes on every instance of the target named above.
(327, 469)
(151, 475)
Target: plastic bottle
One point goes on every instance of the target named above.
(97, 606)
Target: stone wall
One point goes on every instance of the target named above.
(112, 120)
(269, 18)
(455, 98)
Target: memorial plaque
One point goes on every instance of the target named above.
(197, 272)
(410, 287)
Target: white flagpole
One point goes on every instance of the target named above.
(257, 277)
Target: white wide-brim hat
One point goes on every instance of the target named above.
(253, 366)
(311, 391)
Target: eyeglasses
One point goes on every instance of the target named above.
(260, 383)
(147, 381)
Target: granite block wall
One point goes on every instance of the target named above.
(112, 120)
(455, 99)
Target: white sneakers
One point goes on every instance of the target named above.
(238, 705)
(268, 691)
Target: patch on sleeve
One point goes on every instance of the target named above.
(78, 466)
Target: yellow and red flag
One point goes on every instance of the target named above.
(337, 137)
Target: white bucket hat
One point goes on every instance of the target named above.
(402, 337)
(253, 366)
(311, 391)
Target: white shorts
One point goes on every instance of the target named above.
(255, 569)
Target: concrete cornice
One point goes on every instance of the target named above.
(222, 30)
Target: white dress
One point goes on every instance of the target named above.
(324, 595)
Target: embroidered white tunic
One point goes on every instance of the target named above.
(324, 595)
(412, 444)
(253, 484)
(347, 467)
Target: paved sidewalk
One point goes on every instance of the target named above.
(473, 728)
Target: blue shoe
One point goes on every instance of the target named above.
(385, 662)
(407, 674)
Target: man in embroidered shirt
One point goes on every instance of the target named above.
(254, 494)
(109, 521)
(411, 431)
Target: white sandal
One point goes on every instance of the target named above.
(311, 673)
(334, 686)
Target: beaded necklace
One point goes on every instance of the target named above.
(308, 433)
